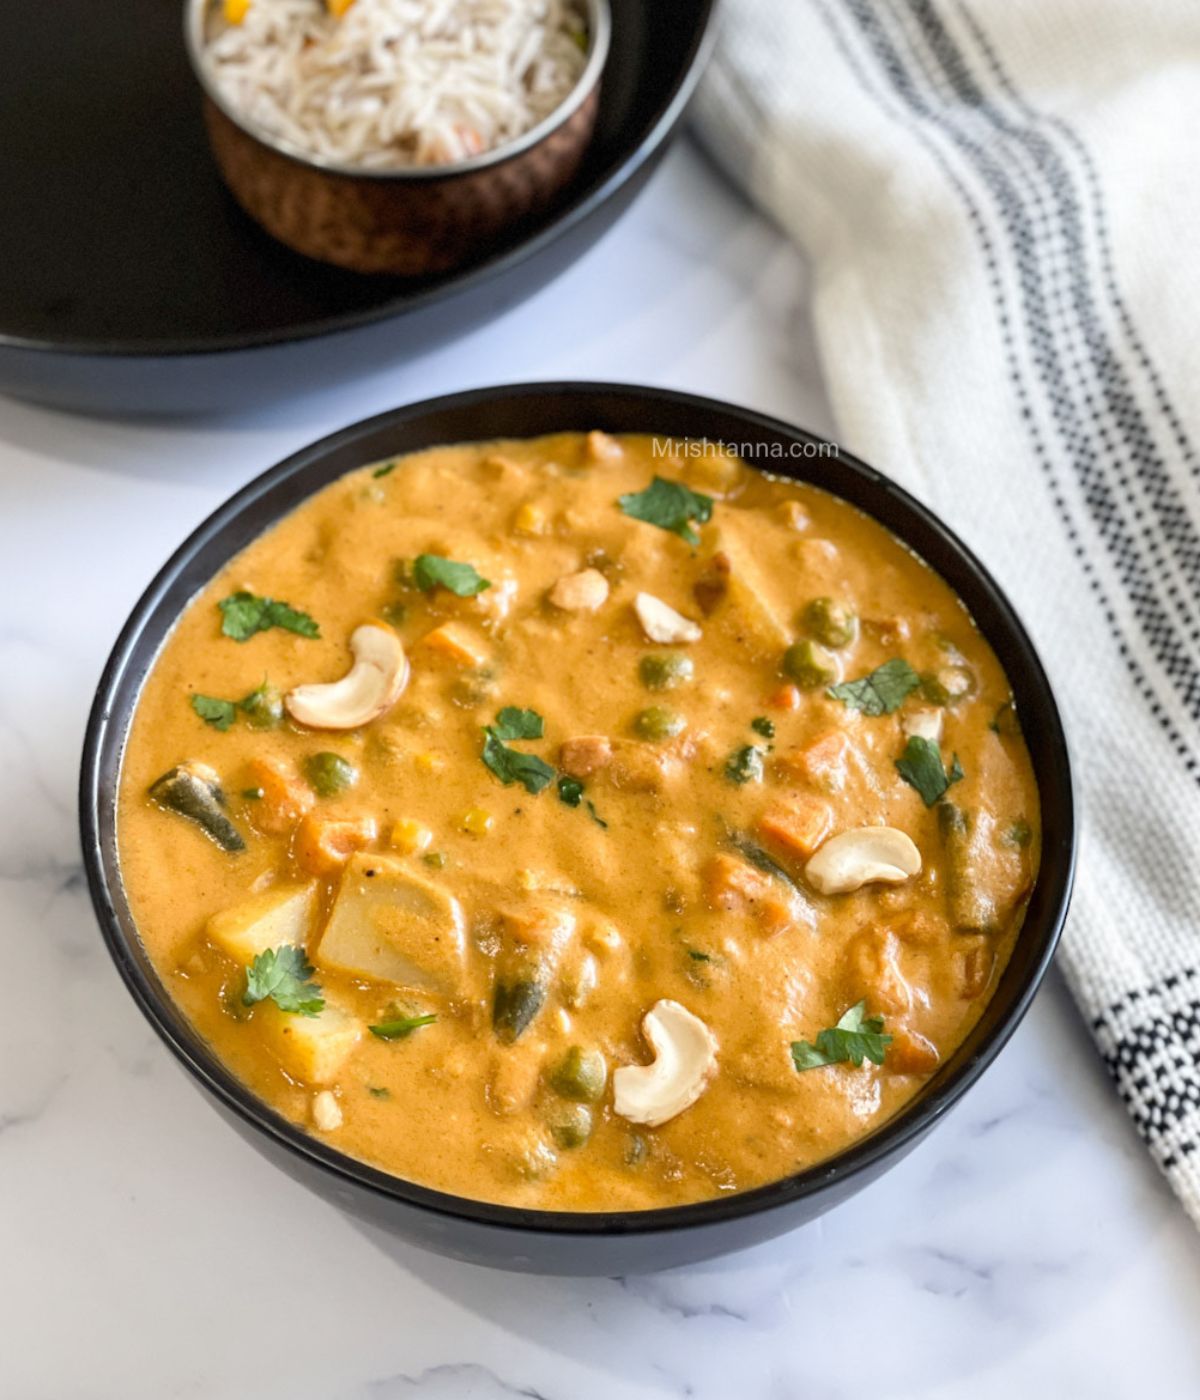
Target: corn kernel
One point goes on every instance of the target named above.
(337, 8)
(235, 11)
(477, 821)
(430, 762)
(530, 520)
(411, 836)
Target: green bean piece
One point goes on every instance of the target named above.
(970, 906)
(263, 707)
(571, 1124)
(665, 670)
(194, 792)
(658, 723)
(831, 622)
(810, 665)
(514, 1005)
(329, 773)
(947, 685)
(580, 1075)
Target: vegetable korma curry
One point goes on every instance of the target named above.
(571, 825)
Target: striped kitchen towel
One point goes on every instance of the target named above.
(999, 203)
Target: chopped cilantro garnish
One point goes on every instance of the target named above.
(244, 614)
(432, 571)
(285, 975)
(921, 767)
(385, 470)
(511, 765)
(764, 726)
(397, 1027)
(219, 713)
(880, 693)
(512, 723)
(745, 765)
(570, 791)
(855, 1038)
(671, 506)
(595, 816)
(378, 1091)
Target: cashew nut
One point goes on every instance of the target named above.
(372, 685)
(863, 856)
(662, 623)
(582, 592)
(685, 1059)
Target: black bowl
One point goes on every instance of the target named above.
(545, 1241)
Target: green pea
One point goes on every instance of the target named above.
(658, 723)
(580, 1075)
(329, 773)
(947, 685)
(571, 1125)
(831, 622)
(665, 670)
(263, 707)
(810, 665)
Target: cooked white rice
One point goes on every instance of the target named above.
(398, 83)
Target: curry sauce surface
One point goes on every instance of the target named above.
(642, 867)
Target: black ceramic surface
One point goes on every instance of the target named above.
(539, 1240)
(130, 280)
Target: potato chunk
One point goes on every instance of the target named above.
(312, 1048)
(392, 926)
(268, 920)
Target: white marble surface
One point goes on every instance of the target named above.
(146, 1251)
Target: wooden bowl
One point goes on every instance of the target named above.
(400, 222)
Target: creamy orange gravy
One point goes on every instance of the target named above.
(656, 903)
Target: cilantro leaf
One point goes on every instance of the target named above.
(285, 975)
(512, 766)
(512, 723)
(397, 1027)
(921, 767)
(671, 506)
(880, 693)
(764, 726)
(386, 470)
(244, 614)
(745, 765)
(431, 571)
(219, 713)
(855, 1038)
(570, 791)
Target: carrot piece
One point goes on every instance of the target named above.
(324, 844)
(731, 883)
(800, 823)
(910, 1053)
(456, 643)
(285, 797)
(737, 887)
(787, 697)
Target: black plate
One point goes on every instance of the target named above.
(129, 279)
(548, 1241)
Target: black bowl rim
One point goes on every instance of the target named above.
(599, 13)
(890, 1140)
(546, 231)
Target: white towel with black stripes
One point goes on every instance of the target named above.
(1000, 205)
